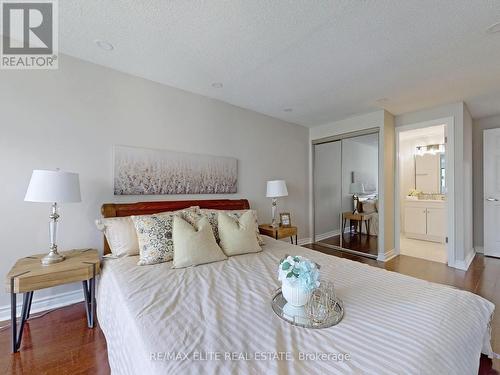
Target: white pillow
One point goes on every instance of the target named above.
(194, 246)
(121, 235)
(213, 216)
(237, 235)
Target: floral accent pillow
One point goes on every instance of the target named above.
(154, 233)
(213, 215)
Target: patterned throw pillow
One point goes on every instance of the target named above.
(154, 233)
(213, 215)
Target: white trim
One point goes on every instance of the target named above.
(304, 241)
(449, 123)
(464, 265)
(479, 249)
(387, 255)
(44, 303)
(320, 237)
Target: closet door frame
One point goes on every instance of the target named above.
(329, 139)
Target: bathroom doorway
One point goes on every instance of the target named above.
(424, 191)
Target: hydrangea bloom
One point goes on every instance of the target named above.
(299, 271)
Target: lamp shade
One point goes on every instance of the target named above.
(356, 188)
(276, 188)
(53, 186)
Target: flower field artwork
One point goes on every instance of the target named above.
(140, 171)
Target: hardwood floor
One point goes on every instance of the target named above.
(61, 343)
(360, 242)
(57, 343)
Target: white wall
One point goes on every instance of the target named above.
(387, 167)
(70, 118)
(467, 179)
(477, 173)
(361, 122)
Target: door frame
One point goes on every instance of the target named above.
(450, 183)
(487, 161)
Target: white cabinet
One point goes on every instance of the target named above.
(436, 223)
(425, 220)
(415, 220)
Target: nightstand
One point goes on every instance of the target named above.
(28, 275)
(358, 218)
(280, 232)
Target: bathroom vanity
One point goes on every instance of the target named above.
(425, 219)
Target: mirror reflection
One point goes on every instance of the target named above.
(346, 194)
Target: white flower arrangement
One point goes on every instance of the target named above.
(299, 271)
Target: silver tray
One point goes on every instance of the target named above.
(297, 316)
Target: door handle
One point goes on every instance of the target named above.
(492, 199)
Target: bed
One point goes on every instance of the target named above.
(217, 318)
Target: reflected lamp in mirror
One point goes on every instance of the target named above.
(276, 189)
(48, 186)
(355, 189)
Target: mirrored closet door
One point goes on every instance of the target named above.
(327, 192)
(346, 193)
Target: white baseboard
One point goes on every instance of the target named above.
(329, 234)
(388, 255)
(319, 237)
(464, 265)
(479, 249)
(304, 241)
(44, 303)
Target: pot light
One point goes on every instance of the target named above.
(104, 45)
(495, 28)
(288, 110)
(217, 85)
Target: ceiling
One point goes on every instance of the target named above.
(324, 60)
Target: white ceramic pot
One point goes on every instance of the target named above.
(295, 295)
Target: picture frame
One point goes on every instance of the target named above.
(285, 220)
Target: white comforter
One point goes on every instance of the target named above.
(217, 319)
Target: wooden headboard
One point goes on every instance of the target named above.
(148, 208)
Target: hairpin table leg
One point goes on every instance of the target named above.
(13, 321)
(89, 294)
(17, 335)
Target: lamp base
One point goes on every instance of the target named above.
(274, 221)
(51, 258)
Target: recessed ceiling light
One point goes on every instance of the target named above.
(495, 28)
(104, 45)
(217, 85)
(288, 110)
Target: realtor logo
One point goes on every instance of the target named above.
(29, 34)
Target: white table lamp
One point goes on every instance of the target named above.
(53, 187)
(276, 189)
(355, 189)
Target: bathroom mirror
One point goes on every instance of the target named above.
(429, 170)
